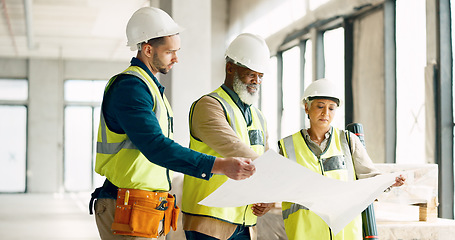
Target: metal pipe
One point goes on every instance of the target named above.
(28, 24)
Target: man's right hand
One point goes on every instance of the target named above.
(236, 168)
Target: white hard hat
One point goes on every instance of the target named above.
(322, 88)
(147, 23)
(249, 50)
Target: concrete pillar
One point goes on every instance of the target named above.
(191, 76)
(45, 127)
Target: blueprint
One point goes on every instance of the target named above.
(279, 179)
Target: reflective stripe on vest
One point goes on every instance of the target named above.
(194, 189)
(290, 154)
(111, 148)
(230, 110)
(294, 208)
(290, 151)
(301, 223)
(118, 158)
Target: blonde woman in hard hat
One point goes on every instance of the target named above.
(135, 150)
(322, 149)
(225, 123)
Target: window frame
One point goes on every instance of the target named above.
(93, 105)
(20, 103)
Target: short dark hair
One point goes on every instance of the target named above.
(155, 42)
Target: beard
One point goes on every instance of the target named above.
(160, 66)
(242, 90)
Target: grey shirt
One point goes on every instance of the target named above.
(315, 148)
(363, 164)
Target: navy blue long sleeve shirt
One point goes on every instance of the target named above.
(127, 108)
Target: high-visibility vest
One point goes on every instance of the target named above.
(118, 158)
(194, 189)
(301, 223)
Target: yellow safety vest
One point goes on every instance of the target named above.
(301, 223)
(194, 189)
(118, 158)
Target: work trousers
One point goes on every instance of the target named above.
(240, 233)
(104, 216)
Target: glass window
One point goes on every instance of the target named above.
(78, 148)
(82, 113)
(411, 60)
(290, 119)
(97, 179)
(13, 128)
(269, 102)
(13, 89)
(84, 90)
(13, 125)
(334, 67)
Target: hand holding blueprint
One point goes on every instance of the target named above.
(279, 179)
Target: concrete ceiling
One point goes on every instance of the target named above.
(66, 29)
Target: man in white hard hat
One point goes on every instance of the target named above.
(135, 150)
(224, 123)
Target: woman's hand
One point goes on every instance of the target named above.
(399, 181)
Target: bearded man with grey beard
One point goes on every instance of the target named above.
(248, 93)
(225, 123)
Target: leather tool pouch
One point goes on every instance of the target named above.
(171, 215)
(139, 213)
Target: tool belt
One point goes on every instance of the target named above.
(139, 213)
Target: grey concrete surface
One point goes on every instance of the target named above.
(46, 216)
(65, 216)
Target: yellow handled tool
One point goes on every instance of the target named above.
(127, 196)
